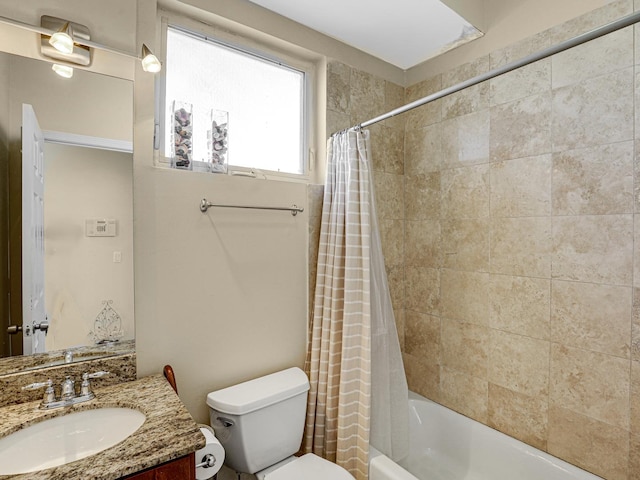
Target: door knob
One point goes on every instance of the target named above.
(13, 329)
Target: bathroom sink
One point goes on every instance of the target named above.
(66, 438)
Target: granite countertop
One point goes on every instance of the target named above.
(169, 431)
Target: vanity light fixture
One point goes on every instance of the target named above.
(150, 62)
(70, 42)
(64, 71)
(62, 40)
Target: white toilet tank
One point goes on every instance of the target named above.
(260, 422)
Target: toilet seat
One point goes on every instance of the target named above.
(309, 467)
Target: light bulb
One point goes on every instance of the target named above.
(150, 62)
(62, 40)
(63, 70)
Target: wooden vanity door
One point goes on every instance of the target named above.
(183, 468)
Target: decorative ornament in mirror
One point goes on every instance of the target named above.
(107, 327)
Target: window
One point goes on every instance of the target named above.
(264, 100)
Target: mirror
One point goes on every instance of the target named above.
(87, 124)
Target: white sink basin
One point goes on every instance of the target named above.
(67, 438)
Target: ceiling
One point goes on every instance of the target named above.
(403, 33)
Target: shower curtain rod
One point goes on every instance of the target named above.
(534, 57)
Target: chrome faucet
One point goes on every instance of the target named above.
(68, 394)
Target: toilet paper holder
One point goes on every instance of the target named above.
(208, 461)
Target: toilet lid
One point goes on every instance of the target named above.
(310, 467)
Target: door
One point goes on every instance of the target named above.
(33, 310)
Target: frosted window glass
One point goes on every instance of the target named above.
(264, 100)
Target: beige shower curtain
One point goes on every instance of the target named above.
(339, 357)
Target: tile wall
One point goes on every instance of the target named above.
(520, 259)
(509, 216)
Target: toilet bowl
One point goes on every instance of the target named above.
(260, 425)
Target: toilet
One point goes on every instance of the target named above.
(260, 425)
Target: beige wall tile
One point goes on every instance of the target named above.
(465, 140)
(422, 196)
(398, 315)
(530, 80)
(597, 57)
(519, 363)
(522, 187)
(594, 181)
(466, 71)
(338, 87)
(465, 244)
(521, 128)
(591, 316)
(393, 98)
(635, 326)
(424, 246)
(422, 290)
(422, 337)
(634, 457)
(636, 250)
(337, 121)
(387, 149)
(423, 150)
(591, 384)
(521, 246)
(635, 399)
(465, 347)
(595, 18)
(593, 112)
(395, 278)
(427, 114)
(592, 445)
(465, 296)
(637, 96)
(594, 248)
(389, 189)
(422, 377)
(518, 415)
(465, 394)
(471, 99)
(465, 192)
(392, 237)
(520, 305)
(367, 96)
(520, 49)
(636, 164)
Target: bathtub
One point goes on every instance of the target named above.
(448, 446)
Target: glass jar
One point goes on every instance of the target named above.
(182, 132)
(218, 141)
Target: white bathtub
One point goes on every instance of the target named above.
(448, 446)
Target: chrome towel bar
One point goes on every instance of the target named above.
(205, 205)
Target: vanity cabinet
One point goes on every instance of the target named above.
(183, 468)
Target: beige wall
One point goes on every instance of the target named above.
(521, 263)
(221, 296)
(80, 274)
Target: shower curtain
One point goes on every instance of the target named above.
(356, 397)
